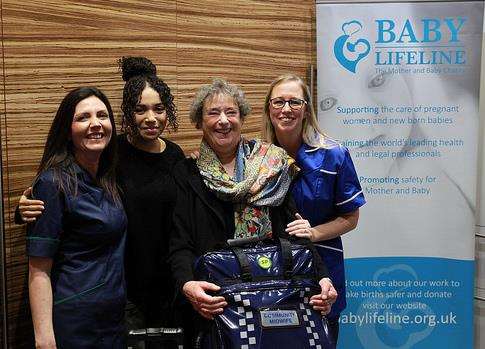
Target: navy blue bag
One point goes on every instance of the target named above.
(267, 287)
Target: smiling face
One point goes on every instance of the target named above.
(150, 115)
(287, 120)
(91, 127)
(221, 124)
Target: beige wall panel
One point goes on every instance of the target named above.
(248, 43)
(51, 47)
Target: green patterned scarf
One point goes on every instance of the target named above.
(262, 176)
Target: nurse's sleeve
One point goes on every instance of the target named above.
(43, 236)
(348, 192)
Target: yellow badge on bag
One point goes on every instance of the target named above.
(264, 262)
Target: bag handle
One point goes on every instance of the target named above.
(246, 241)
(243, 260)
(286, 257)
(235, 245)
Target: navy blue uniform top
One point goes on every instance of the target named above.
(327, 187)
(85, 236)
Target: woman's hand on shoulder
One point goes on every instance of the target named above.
(323, 301)
(29, 209)
(194, 155)
(301, 228)
(205, 304)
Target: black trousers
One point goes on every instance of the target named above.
(333, 327)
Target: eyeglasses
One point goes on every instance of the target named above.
(294, 103)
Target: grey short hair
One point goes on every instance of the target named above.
(218, 86)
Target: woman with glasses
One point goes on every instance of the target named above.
(236, 188)
(327, 190)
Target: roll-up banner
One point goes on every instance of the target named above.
(480, 246)
(398, 84)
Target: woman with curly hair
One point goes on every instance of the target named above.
(144, 175)
(145, 160)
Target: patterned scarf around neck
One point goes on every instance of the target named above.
(262, 176)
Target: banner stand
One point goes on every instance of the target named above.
(398, 85)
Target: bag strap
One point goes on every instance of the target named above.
(243, 260)
(286, 258)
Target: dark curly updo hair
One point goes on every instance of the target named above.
(139, 72)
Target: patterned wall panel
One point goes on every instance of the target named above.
(2, 249)
(248, 43)
(50, 46)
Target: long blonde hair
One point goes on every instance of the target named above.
(312, 134)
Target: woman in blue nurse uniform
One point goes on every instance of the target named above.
(327, 190)
(75, 249)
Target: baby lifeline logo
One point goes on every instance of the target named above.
(349, 48)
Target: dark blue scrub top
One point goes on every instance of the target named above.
(327, 186)
(85, 236)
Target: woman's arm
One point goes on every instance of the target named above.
(336, 227)
(323, 301)
(40, 295)
(326, 231)
(181, 245)
(182, 253)
(43, 242)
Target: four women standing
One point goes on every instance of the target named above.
(327, 192)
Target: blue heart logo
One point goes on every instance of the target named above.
(348, 49)
(381, 335)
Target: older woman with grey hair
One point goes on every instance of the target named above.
(236, 188)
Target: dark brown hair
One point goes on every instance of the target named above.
(59, 151)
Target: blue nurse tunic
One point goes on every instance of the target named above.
(326, 187)
(85, 235)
